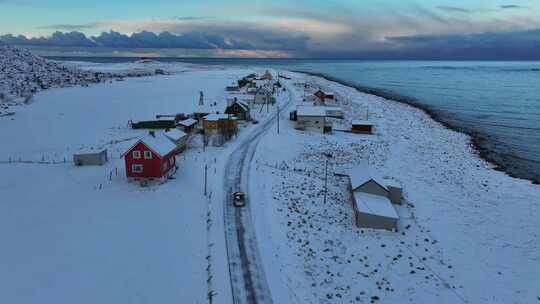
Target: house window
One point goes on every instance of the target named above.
(171, 161)
(147, 155)
(136, 154)
(137, 168)
(164, 167)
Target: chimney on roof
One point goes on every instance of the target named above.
(201, 99)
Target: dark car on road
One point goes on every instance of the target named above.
(239, 199)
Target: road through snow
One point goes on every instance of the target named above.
(248, 280)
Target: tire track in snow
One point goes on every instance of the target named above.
(246, 271)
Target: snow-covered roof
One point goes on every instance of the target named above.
(175, 134)
(362, 174)
(318, 111)
(362, 122)
(375, 204)
(90, 151)
(188, 122)
(158, 144)
(243, 104)
(214, 117)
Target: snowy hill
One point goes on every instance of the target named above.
(22, 74)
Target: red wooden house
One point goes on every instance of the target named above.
(151, 157)
(323, 96)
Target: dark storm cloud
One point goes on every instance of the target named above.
(498, 45)
(191, 40)
(56, 39)
(225, 36)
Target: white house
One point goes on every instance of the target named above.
(263, 96)
(335, 112)
(372, 199)
(312, 118)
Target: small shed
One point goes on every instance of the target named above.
(187, 125)
(374, 211)
(372, 199)
(362, 126)
(91, 158)
(178, 137)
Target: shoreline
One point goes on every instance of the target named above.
(475, 138)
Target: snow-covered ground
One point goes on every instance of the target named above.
(71, 234)
(22, 74)
(86, 235)
(467, 234)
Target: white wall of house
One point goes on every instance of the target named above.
(262, 98)
(311, 123)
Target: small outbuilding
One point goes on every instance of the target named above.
(362, 126)
(372, 199)
(187, 125)
(151, 157)
(90, 158)
(178, 137)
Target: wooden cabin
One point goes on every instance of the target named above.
(239, 108)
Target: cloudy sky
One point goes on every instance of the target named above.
(416, 29)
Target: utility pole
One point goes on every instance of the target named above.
(205, 178)
(327, 155)
(277, 117)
